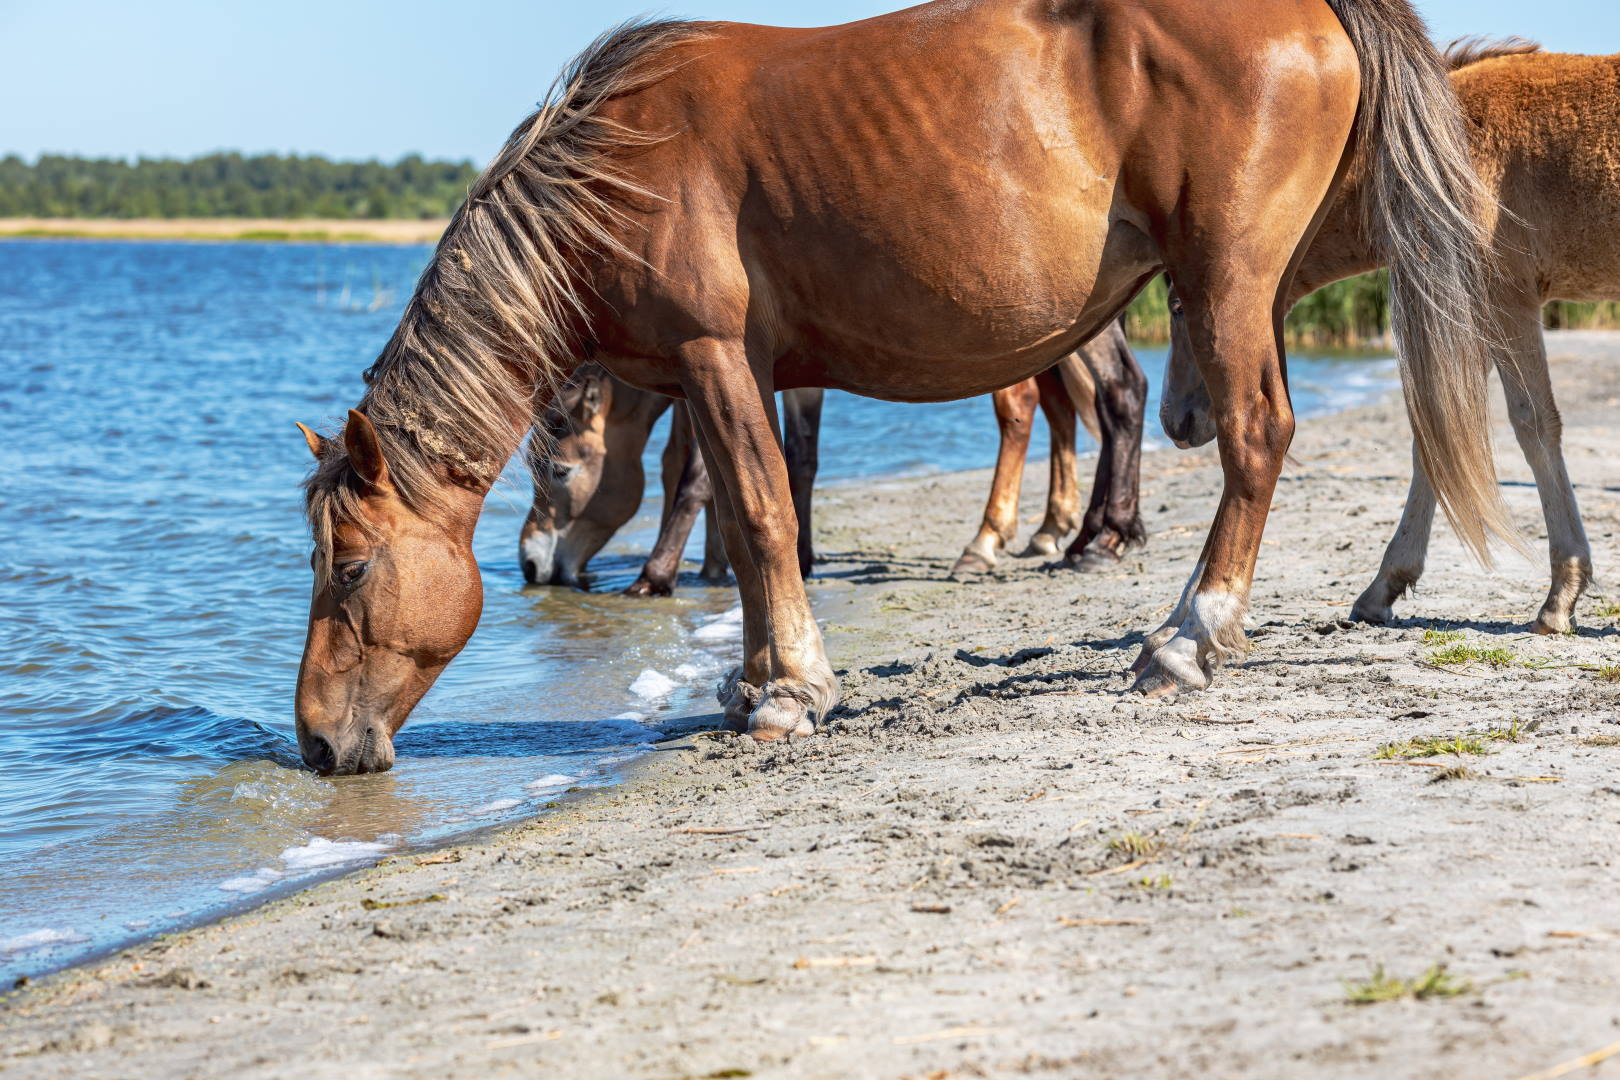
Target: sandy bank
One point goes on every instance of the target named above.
(308, 230)
(993, 863)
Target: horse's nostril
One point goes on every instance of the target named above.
(318, 753)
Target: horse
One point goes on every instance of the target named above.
(588, 481)
(1545, 138)
(1102, 383)
(718, 211)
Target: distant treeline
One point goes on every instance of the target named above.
(231, 185)
(1349, 314)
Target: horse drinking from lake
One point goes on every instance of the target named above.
(1546, 139)
(717, 212)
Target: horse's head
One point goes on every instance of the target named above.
(397, 594)
(1184, 409)
(587, 485)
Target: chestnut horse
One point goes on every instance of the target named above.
(718, 211)
(1546, 139)
(589, 482)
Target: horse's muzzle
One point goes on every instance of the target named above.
(369, 749)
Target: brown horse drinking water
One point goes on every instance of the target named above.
(717, 212)
(1545, 132)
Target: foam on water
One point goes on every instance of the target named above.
(320, 852)
(496, 807)
(48, 938)
(553, 782)
(651, 685)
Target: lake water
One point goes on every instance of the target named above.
(154, 580)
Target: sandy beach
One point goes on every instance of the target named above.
(308, 230)
(994, 862)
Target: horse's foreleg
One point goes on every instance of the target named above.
(715, 562)
(1540, 431)
(1015, 412)
(801, 440)
(785, 659)
(1404, 556)
(686, 492)
(1063, 492)
(740, 691)
(1236, 338)
(1113, 521)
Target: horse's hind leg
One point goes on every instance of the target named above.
(1063, 492)
(1015, 412)
(801, 440)
(686, 491)
(1405, 555)
(785, 661)
(1540, 431)
(1113, 521)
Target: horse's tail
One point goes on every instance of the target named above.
(1422, 206)
(1082, 391)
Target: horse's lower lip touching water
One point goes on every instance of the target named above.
(718, 212)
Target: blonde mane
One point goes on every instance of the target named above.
(495, 319)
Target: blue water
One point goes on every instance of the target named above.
(154, 582)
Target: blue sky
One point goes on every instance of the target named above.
(364, 79)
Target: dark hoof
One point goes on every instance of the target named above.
(646, 587)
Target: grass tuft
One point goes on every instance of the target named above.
(1609, 673)
(1432, 636)
(1135, 846)
(1434, 983)
(1601, 740)
(1422, 746)
(1472, 654)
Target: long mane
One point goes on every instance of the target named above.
(495, 316)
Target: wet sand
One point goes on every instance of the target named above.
(994, 863)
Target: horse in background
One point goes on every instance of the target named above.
(585, 463)
(1103, 385)
(589, 483)
(718, 211)
(1545, 135)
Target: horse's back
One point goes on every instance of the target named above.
(967, 179)
(1547, 127)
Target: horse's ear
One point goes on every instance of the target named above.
(365, 449)
(312, 439)
(590, 398)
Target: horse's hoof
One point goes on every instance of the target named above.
(971, 565)
(1094, 558)
(1165, 676)
(1040, 544)
(1372, 611)
(781, 715)
(646, 587)
(1552, 624)
(738, 698)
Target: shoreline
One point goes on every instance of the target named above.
(993, 861)
(227, 230)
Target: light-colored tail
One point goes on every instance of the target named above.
(1422, 205)
(1082, 389)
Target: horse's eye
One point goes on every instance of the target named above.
(349, 574)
